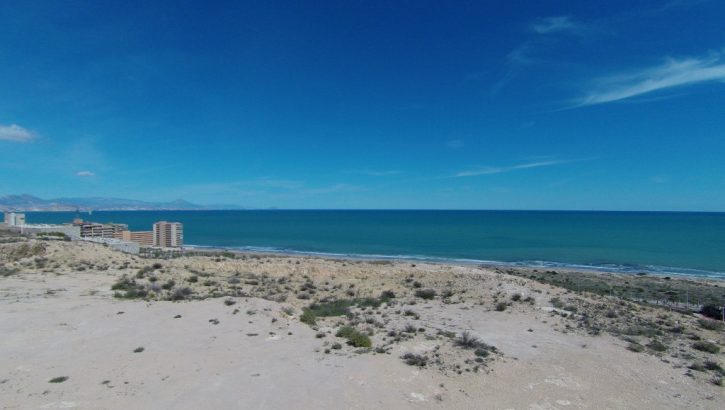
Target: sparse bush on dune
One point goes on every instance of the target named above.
(635, 347)
(712, 311)
(710, 324)
(426, 294)
(706, 347)
(354, 337)
(308, 317)
(657, 346)
(181, 293)
(412, 359)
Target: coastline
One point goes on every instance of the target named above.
(196, 329)
(611, 269)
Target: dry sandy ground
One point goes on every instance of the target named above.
(70, 325)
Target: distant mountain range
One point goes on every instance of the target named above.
(27, 202)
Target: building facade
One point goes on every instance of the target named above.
(143, 238)
(14, 218)
(168, 234)
(96, 230)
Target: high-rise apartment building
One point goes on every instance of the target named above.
(168, 234)
(143, 238)
(14, 218)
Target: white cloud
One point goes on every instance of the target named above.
(672, 73)
(501, 170)
(375, 172)
(555, 24)
(85, 174)
(15, 133)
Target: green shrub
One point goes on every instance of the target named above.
(60, 379)
(706, 347)
(635, 347)
(557, 303)
(412, 359)
(387, 295)
(426, 294)
(354, 337)
(308, 317)
(181, 293)
(657, 346)
(501, 306)
(712, 311)
(713, 365)
(710, 324)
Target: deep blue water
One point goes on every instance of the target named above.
(686, 243)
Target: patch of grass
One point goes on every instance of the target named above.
(181, 293)
(516, 297)
(657, 346)
(635, 347)
(557, 303)
(409, 328)
(354, 337)
(706, 347)
(60, 379)
(469, 341)
(168, 285)
(501, 306)
(308, 316)
(426, 294)
(387, 295)
(128, 289)
(481, 353)
(713, 365)
(710, 324)
(341, 307)
(138, 349)
(229, 302)
(412, 359)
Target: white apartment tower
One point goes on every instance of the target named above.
(168, 234)
(14, 218)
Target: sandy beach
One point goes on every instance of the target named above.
(113, 330)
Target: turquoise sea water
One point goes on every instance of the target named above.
(659, 242)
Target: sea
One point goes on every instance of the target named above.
(668, 243)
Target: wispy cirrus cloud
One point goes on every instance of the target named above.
(527, 53)
(502, 170)
(555, 24)
(85, 174)
(375, 173)
(15, 133)
(670, 74)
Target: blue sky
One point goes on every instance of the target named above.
(364, 104)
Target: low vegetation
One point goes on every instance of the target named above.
(354, 337)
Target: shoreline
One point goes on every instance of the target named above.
(660, 271)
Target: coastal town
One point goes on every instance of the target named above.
(117, 236)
